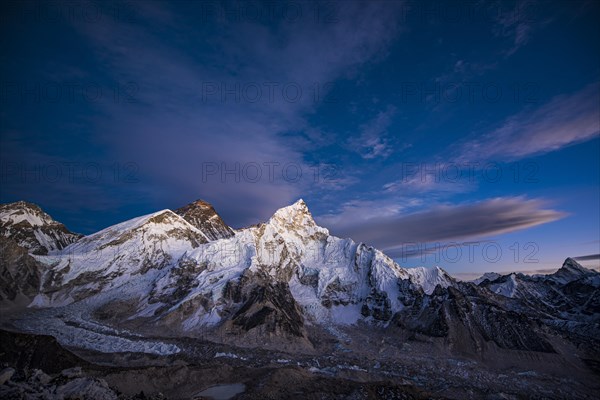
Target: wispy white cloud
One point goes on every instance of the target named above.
(171, 121)
(372, 141)
(564, 120)
(363, 210)
(429, 183)
(518, 24)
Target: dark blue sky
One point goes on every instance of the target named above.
(401, 124)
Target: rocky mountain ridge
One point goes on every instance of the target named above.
(183, 273)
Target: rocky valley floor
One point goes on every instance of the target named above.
(361, 362)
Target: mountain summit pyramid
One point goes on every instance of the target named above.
(203, 216)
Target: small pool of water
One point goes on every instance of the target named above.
(223, 392)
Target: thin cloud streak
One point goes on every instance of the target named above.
(372, 142)
(444, 223)
(589, 257)
(563, 121)
(519, 24)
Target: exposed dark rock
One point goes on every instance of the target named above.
(308, 276)
(26, 352)
(424, 314)
(466, 310)
(19, 271)
(270, 306)
(204, 217)
(378, 306)
(182, 280)
(335, 294)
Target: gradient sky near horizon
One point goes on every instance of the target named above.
(464, 134)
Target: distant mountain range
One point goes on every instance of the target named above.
(186, 273)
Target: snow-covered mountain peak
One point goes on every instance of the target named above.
(429, 278)
(506, 285)
(201, 204)
(490, 276)
(573, 266)
(295, 218)
(299, 209)
(158, 225)
(23, 212)
(32, 228)
(570, 271)
(128, 253)
(164, 270)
